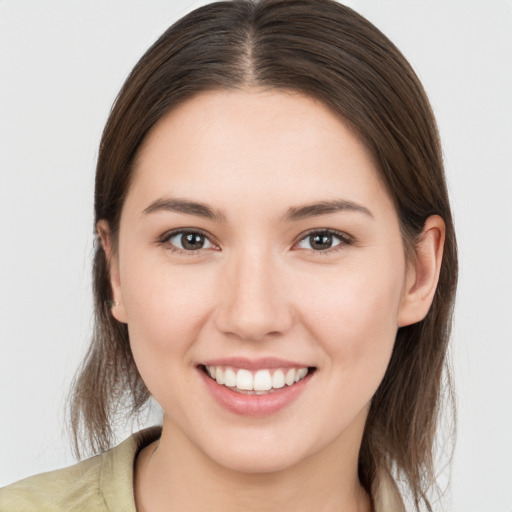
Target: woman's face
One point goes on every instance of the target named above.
(256, 241)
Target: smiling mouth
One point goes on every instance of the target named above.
(260, 382)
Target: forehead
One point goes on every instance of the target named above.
(258, 143)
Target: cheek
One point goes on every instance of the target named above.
(354, 314)
(165, 309)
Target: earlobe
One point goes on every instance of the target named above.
(423, 273)
(117, 305)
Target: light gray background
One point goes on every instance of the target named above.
(61, 65)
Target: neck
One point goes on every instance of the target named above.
(172, 474)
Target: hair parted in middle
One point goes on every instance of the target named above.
(328, 52)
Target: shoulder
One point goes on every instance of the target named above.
(70, 488)
(101, 483)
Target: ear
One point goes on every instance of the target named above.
(423, 273)
(118, 308)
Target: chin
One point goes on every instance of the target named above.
(257, 461)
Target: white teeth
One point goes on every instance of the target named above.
(290, 377)
(278, 379)
(260, 383)
(302, 372)
(244, 380)
(262, 380)
(230, 378)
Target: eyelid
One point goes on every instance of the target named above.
(164, 239)
(345, 239)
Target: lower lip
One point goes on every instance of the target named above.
(254, 405)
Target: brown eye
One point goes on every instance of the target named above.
(189, 241)
(322, 241)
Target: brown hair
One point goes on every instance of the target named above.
(326, 51)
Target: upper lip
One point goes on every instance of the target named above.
(254, 364)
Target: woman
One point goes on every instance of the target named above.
(276, 266)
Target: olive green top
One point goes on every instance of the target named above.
(105, 484)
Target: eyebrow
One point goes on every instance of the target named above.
(187, 207)
(294, 213)
(325, 208)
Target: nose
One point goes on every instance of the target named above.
(253, 303)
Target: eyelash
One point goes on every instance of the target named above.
(344, 239)
(164, 240)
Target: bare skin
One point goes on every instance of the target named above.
(222, 489)
(269, 277)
